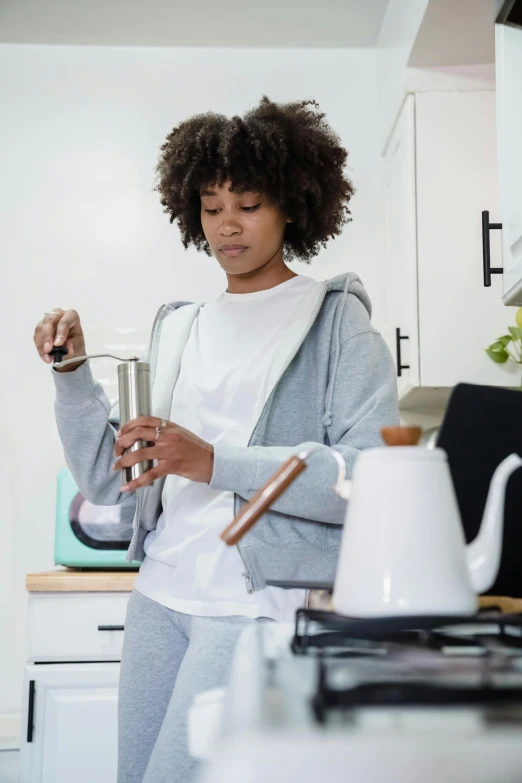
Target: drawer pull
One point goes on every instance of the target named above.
(30, 712)
(111, 628)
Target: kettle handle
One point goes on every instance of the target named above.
(275, 486)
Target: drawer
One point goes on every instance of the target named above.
(76, 626)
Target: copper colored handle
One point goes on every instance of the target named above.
(274, 487)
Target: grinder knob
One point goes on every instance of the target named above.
(57, 353)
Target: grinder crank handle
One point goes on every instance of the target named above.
(273, 488)
(58, 352)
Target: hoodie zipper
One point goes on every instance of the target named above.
(136, 521)
(246, 573)
(248, 579)
(249, 583)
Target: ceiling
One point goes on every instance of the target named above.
(456, 33)
(229, 23)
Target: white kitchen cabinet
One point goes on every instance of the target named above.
(508, 57)
(439, 175)
(400, 248)
(74, 645)
(71, 728)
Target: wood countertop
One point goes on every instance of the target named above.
(69, 580)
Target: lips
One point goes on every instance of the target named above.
(232, 250)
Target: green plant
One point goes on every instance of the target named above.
(509, 346)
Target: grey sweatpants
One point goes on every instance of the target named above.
(168, 658)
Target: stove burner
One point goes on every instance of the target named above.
(407, 694)
(412, 661)
(317, 630)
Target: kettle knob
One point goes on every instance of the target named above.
(401, 436)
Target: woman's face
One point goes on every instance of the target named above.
(244, 230)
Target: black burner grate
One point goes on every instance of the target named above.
(418, 661)
(409, 694)
(317, 631)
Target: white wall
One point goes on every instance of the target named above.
(398, 32)
(80, 227)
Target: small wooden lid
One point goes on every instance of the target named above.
(401, 436)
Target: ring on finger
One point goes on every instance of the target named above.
(160, 429)
(52, 312)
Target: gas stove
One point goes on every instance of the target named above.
(413, 662)
(397, 699)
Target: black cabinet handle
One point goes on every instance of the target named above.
(400, 365)
(111, 628)
(486, 253)
(30, 712)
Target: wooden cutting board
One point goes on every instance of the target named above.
(69, 580)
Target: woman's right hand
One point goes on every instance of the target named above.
(62, 327)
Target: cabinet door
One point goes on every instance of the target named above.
(456, 180)
(509, 131)
(70, 724)
(401, 330)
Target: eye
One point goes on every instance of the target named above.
(253, 208)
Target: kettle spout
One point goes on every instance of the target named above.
(483, 553)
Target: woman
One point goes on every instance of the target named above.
(241, 382)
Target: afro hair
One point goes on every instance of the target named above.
(284, 150)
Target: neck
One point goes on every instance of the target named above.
(273, 273)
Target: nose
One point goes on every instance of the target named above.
(229, 225)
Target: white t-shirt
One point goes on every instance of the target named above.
(227, 371)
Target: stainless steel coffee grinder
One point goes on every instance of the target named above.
(134, 387)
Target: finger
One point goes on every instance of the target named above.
(39, 343)
(141, 421)
(144, 480)
(126, 441)
(48, 329)
(67, 322)
(140, 455)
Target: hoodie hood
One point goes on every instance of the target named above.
(348, 283)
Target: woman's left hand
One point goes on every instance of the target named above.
(177, 451)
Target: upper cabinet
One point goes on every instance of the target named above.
(508, 55)
(400, 212)
(440, 174)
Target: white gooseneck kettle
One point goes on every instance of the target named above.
(403, 550)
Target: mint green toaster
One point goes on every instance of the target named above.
(89, 536)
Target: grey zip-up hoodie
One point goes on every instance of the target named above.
(337, 387)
